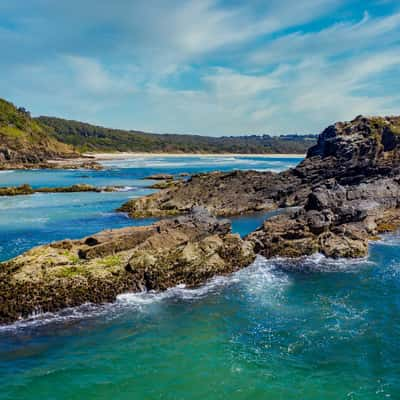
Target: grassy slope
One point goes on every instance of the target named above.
(23, 139)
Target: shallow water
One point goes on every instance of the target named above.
(311, 329)
(27, 221)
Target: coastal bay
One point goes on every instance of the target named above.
(273, 324)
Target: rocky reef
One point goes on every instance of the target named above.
(336, 221)
(80, 187)
(345, 189)
(353, 178)
(346, 153)
(185, 250)
(345, 193)
(222, 193)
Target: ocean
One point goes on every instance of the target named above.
(280, 329)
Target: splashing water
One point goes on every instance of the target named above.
(313, 328)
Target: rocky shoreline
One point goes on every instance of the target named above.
(346, 192)
(27, 189)
(67, 163)
(186, 250)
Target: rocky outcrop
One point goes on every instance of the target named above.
(350, 152)
(347, 191)
(186, 250)
(354, 176)
(336, 221)
(346, 153)
(345, 188)
(222, 193)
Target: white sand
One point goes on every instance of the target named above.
(126, 155)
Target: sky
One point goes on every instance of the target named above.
(202, 66)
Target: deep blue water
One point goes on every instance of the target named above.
(310, 329)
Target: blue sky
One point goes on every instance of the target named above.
(202, 66)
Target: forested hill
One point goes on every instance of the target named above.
(86, 137)
(24, 140)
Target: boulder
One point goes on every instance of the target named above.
(185, 250)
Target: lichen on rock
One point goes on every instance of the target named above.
(185, 250)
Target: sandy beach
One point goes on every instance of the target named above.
(125, 155)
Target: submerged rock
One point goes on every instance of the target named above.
(81, 187)
(164, 184)
(186, 250)
(160, 177)
(16, 190)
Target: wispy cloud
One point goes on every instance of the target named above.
(202, 66)
(91, 76)
(338, 39)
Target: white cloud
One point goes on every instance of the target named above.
(226, 83)
(90, 75)
(200, 66)
(337, 39)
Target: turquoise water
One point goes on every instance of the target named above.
(28, 221)
(315, 329)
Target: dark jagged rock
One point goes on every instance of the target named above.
(345, 187)
(222, 193)
(185, 250)
(346, 153)
(352, 151)
(337, 221)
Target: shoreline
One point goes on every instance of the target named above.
(125, 155)
(91, 160)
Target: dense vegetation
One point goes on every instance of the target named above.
(87, 137)
(22, 139)
(27, 140)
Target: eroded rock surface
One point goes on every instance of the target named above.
(222, 193)
(336, 221)
(346, 191)
(346, 153)
(345, 188)
(185, 250)
(350, 152)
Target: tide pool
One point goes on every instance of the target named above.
(279, 329)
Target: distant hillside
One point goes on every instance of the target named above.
(24, 140)
(87, 138)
